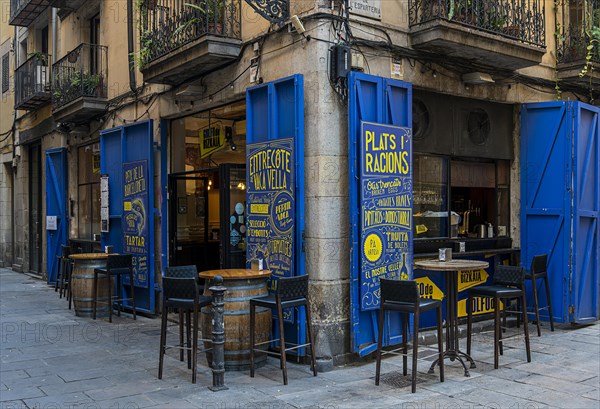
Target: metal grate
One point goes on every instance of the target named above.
(397, 380)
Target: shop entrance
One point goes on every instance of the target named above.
(207, 189)
(207, 217)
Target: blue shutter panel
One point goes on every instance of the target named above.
(56, 205)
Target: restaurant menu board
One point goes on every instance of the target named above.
(386, 207)
(104, 214)
(135, 218)
(271, 207)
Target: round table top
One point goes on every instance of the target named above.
(452, 265)
(89, 256)
(235, 273)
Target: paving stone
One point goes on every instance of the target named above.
(35, 381)
(556, 384)
(21, 393)
(177, 403)
(76, 386)
(7, 376)
(128, 402)
(15, 404)
(62, 400)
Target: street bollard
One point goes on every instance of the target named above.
(218, 335)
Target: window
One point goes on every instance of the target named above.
(430, 196)
(453, 197)
(5, 73)
(88, 191)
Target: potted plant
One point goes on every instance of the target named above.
(463, 11)
(208, 13)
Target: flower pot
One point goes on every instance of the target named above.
(215, 28)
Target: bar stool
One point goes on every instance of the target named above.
(64, 268)
(182, 293)
(291, 292)
(539, 270)
(508, 283)
(116, 265)
(189, 271)
(403, 296)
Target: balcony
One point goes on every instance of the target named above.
(493, 33)
(23, 12)
(66, 6)
(79, 84)
(580, 25)
(32, 83)
(178, 41)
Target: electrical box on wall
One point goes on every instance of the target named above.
(358, 62)
(340, 61)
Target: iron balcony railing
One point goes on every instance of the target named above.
(579, 28)
(167, 25)
(81, 73)
(32, 82)
(521, 20)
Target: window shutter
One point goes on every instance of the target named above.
(5, 84)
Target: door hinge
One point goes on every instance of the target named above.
(571, 309)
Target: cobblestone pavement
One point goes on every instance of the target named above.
(49, 358)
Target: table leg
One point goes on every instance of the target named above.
(452, 340)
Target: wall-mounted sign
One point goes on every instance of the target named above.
(104, 214)
(386, 207)
(271, 207)
(212, 139)
(366, 8)
(51, 223)
(135, 218)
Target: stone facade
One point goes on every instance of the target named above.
(282, 53)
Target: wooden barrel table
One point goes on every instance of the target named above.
(242, 285)
(82, 279)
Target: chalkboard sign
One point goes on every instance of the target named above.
(386, 207)
(135, 218)
(271, 200)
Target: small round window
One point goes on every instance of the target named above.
(420, 119)
(478, 126)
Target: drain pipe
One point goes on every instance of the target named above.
(54, 20)
(132, 68)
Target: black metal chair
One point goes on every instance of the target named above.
(403, 296)
(290, 292)
(508, 283)
(116, 265)
(181, 291)
(63, 273)
(539, 269)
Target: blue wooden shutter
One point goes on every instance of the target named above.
(275, 118)
(546, 137)
(586, 226)
(124, 145)
(385, 101)
(56, 205)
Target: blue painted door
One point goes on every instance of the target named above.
(586, 209)
(383, 101)
(126, 156)
(56, 206)
(275, 195)
(559, 204)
